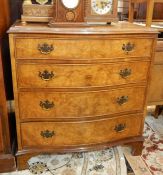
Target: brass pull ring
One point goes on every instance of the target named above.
(125, 73)
(46, 75)
(45, 48)
(47, 134)
(46, 105)
(128, 47)
(120, 127)
(122, 100)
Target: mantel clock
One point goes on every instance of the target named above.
(84, 11)
(101, 10)
(69, 11)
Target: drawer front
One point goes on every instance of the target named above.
(54, 134)
(83, 75)
(85, 48)
(79, 104)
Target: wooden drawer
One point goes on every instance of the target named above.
(80, 75)
(54, 134)
(79, 104)
(81, 49)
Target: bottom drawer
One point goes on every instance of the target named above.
(55, 134)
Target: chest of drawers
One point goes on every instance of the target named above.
(80, 89)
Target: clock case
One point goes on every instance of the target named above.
(35, 12)
(91, 16)
(64, 15)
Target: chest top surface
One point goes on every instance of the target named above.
(114, 28)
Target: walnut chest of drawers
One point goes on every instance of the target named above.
(80, 89)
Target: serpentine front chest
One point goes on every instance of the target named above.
(79, 89)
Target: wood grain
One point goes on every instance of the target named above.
(85, 48)
(111, 31)
(80, 104)
(60, 15)
(67, 133)
(80, 75)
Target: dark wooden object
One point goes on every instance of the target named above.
(65, 15)
(7, 160)
(157, 11)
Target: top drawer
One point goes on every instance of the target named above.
(83, 49)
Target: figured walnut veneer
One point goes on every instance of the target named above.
(80, 89)
(80, 133)
(82, 48)
(80, 75)
(79, 104)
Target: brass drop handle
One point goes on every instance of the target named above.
(128, 47)
(46, 75)
(120, 127)
(47, 134)
(45, 48)
(121, 100)
(46, 105)
(124, 73)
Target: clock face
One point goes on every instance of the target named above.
(101, 7)
(70, 4)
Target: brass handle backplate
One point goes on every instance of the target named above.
(125, 73)
(121, 100)
(46, 75)
(47, 134)
(128, 47)
(120, 127)
(45, 48)
(46, 105)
